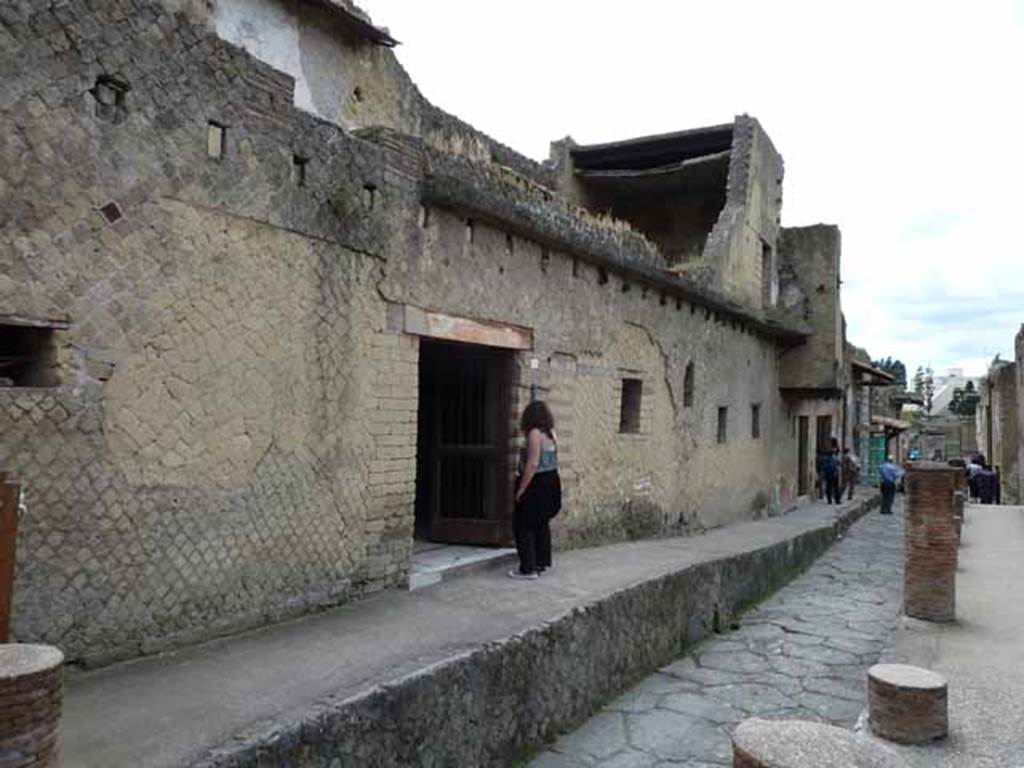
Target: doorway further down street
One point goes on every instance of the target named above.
(802, 654)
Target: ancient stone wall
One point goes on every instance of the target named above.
(744, 240)
(810, 292)
(1004, 417)
(1019, 365)
(232, 437)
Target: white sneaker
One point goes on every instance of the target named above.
(522, 576)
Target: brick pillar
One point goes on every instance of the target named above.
(929, 575)
(31, 694)
(797, 744)
(907, 704)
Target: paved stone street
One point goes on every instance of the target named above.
(803, 653)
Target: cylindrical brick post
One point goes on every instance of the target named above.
(31, 694)
(907, 704)
(929, 574)
(798, 744)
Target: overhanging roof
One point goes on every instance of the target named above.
(878, 373)
(358, 22)
(654, 151)
(889, 423)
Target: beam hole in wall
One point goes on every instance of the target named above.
(216, 140)
(28, 356)
(545, 259)
(357, 94)
(370, 196)
(602, 277)
(299, 164)
(679, 304)
(625, 286)
(755, 421)
(662, 299)
(510, 245)
(110, 94)
(575, 267)
(688, 385)
(629, 406)
(111, 213)
(723, 424)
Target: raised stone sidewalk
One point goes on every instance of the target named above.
(803, 654)
(475, 671)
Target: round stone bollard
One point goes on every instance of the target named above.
(929, 542)
(907, 704)
(798, 744)
(31, 694)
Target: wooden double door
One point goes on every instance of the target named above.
(463, 485)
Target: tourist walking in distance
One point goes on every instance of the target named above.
(830, 473)
(890, 474)
(851, 473)
(538, 491)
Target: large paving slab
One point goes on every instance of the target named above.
(801, 654)
(982, 653)
(474, 670)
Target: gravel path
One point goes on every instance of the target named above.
(803, 653)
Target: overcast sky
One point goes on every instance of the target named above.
(902, 122)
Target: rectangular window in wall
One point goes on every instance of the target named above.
(28, 356)
(723, 424)
(755, 421)
(629, 408)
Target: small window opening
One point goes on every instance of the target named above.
(602, 277)
(510, 245)
(723, 424)
(629, 410)
(625, 286)
(369, 196)
(357, 93)
(470, 231)
(424, 216)
(755, 421)
(545, 260)
(111, 99)
(299, 164)
(575, 267)
(688, 385)
(216, 139)
(28, 357)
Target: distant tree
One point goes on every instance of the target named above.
(965, 400)
(928, 391)
(893, 367)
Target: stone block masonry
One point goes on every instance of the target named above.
(930, 545)
(219, 426)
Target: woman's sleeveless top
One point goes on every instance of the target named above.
(548, 456)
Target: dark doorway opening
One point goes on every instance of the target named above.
(463, 485)
(824, 436)
(803, 436)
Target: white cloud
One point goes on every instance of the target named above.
(898, 121)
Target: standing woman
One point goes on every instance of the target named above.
(538, 491)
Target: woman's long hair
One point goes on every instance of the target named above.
(537, 415)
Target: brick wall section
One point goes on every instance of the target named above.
(392, 471)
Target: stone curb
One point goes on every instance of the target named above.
(500, 701)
